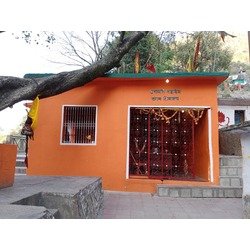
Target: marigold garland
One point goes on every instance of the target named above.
(160, 113)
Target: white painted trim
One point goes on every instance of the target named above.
(210, 147)
(78, 144)
(209, 133)
(157, 106)
(128, 128)
(96, 122)
(61, 124)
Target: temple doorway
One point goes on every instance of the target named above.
(162, 142)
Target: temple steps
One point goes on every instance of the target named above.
(20, 165)
(198, 192)
(20, 171)
(230, 183)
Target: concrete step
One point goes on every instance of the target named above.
(20, 160)
(230, 171)
(230, 160)
(21, 155)
(20, 170)
(20, 163)
(198, 192)
(231, 181)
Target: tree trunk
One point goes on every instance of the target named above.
(14, 89)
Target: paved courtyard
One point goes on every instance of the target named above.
(122, 205)
(117, 205)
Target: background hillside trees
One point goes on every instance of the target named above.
(213, 56)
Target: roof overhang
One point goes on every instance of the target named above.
(233, 102)
(240, 128)
(215, 77)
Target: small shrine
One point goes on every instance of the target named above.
(134, 130)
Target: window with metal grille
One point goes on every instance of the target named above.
(79, 125)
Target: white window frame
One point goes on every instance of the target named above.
(210, 148)
(78, 144)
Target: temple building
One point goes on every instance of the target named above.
(134, 130)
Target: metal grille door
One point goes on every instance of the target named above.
(161, 147)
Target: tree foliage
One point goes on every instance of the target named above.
(237, 67)
(159, 48)
(212, 56)
(155, 49)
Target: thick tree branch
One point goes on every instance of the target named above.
(13, 89)
(122, 34)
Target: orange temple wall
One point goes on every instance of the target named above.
(108, 158)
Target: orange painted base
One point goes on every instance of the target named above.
(8, 154)
(150, 185)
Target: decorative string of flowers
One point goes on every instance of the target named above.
(160, 113)
(198, 116)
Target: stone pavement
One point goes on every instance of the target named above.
(122, 205)
(117, 205)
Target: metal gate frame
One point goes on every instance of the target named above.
(148, 172)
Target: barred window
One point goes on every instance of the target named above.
(79, 125)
